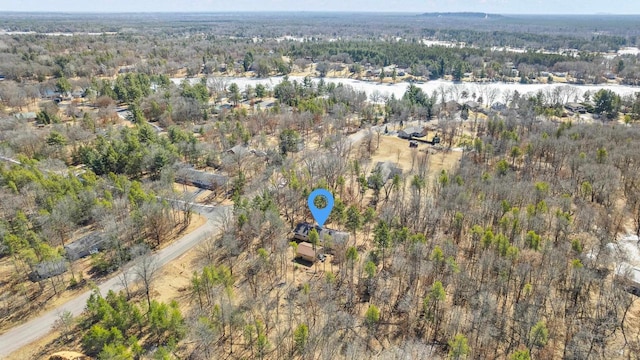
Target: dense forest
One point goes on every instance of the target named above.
(495, 242)
(34, 48)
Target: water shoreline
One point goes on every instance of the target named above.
(490, 92)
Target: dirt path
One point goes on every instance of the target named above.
(24, 334)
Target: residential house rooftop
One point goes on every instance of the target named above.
(337, 238)
(86, 245)
(200, 179)
(306, 252)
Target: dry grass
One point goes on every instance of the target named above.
(35, 349)
(397, 151)
(202, 197)
(40, 300)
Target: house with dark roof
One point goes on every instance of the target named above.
(412, 132)
(329, 238)
(472, 105)
(201, 179)
(50, 93)
(47, 269)
(498, 106)
(575, 107)
(86, 245)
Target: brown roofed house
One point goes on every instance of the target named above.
(306, 252)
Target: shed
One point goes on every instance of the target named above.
(86, 245)
(305, 252)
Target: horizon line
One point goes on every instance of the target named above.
(308, 12)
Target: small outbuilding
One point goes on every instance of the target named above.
(306, 252)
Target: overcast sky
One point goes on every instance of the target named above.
(491, 6)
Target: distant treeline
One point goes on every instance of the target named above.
(438, 60)
(532, 40)
(600, 33)
(477, 15)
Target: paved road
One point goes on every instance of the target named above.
(36, 328)
(10, 160)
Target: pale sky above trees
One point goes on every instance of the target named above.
(491, 6)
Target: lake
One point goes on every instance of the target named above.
(490, 92)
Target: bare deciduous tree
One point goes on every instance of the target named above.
(145, 269)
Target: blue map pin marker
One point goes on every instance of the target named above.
(321, 215)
